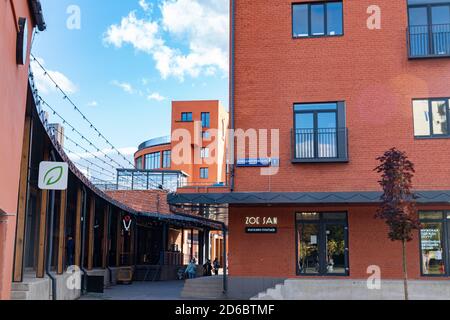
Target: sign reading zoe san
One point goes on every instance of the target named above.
(53, 175)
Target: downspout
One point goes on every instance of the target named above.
(83, 242)
(50, 237)
(109, 237)
(232, 91)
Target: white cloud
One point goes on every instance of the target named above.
(45, 85)
(202, 24)
(92, 104)
(145, 5)
(156, 96)
(125, 86)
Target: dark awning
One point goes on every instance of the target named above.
(363, 197)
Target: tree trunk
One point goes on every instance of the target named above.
(405, 271)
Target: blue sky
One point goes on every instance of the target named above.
(129, 60)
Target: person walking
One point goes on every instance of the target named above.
(207, 268)
(216, 264)
(191, 270)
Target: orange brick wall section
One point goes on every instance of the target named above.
(369, 69)
(274, 255)
(150, 201)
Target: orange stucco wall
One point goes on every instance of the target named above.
(13, 95)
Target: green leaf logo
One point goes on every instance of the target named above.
(53, 176)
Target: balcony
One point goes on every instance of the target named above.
(429, 41)
(320, 145)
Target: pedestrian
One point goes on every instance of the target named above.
(70, 249)
(216, 264)
(191, 270)
(207, 268)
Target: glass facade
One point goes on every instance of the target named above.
(153, 161)
(322, 243)
(167, 155)
(434, 243)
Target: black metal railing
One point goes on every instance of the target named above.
(429, 40)
(328, 144)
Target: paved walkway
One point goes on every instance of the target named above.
(160, 290)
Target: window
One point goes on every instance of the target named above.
(186, 117)
(167, 159)
(434, 243)
(139, 163)
(206, 119)
(204, 173)
(319, 132)
(153, 161)
(317, 19)
(429, 28)
(431, 117)
(204, 153)
(206, 135)
(322, 243)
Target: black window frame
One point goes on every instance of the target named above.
(341, 133)
(187, 117)
(431, 47)
(430, 114)
(310, 35)
(322, 229)
(446, 242)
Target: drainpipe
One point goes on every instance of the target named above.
(232, 119)
(50, 218)
(83, 242)
(109, 237)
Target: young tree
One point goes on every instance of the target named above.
(398, 207)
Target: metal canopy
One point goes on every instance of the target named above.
(363, 197)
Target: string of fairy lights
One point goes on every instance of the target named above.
(104, 169)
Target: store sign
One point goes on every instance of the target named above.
(53, 175)
(257, 162)
(261, 224)
(261, 230)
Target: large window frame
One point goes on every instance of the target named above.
(323, 222)
(320, 136)
(206, 120)
(430, 101)
(429, 31)
(167, 159)
(153, 161)
(445, 235)
(325, 18)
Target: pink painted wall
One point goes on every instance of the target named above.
(13, 95)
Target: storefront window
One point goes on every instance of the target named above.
(322, 243)
(433, 242)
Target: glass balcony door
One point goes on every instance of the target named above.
(429, 30)
(316, 134)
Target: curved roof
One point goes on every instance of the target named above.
(154, 142)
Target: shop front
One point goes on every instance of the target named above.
(321, 243)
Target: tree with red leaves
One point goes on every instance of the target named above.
(398, 206)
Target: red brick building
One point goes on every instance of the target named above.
(342, 82)
(205, 123)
